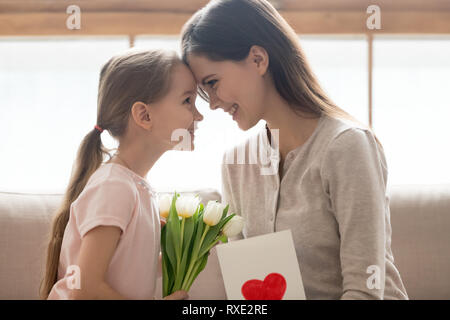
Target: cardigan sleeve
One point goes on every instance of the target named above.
(354, 175)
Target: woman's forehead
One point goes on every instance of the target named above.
(203, 68)
(198, 63)
(183, 79)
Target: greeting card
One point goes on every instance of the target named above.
(261, 268)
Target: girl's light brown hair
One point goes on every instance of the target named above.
(125, 79)
(227, 29)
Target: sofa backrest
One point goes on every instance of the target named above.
(420, 220)
(24, 224)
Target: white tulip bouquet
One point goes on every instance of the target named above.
(188, 235)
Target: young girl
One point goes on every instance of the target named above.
(107, 232)
(329, 182)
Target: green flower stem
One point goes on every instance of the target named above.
(182, 232)
(191, 277)
(194, 257)
(181, 247)
(212, 245)
(203, 237)
(188, 273)
(164, 280)
(197, 264)
(177, 273)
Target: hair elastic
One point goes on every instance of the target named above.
(98, 128)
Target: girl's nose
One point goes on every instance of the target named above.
(197, 115)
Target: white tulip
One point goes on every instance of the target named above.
(165, 201)
(187, 205)
(213, 213)
(233, 227)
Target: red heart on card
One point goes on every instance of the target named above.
(272, 288)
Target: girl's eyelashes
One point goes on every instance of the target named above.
(188, 100)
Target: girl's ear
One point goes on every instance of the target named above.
(259, 58)
(141, 114)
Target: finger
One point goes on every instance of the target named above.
(163, 222)
(182, 295)
(177, 295)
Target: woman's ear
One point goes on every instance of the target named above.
(259, 58)
(141, 114)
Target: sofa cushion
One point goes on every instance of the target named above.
(24, 226)
(420, 220)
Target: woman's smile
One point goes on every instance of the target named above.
(232, 111)
(235, 113)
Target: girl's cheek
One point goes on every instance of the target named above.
(187, 118)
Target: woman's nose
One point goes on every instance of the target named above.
(214, 102)
(213, 106)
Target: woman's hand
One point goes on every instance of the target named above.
(177, 295)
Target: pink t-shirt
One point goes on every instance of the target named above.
(115, 196)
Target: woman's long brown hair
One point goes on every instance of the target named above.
(126, 78)
(227, 29)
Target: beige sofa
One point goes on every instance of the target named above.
(420, 218)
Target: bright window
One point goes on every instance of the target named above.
(340, 64)
(48, 103)
(48, 97)
(411, 110)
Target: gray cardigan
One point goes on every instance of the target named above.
(333, 198)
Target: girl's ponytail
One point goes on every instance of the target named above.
(89, 158)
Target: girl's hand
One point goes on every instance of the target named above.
(163, 222)
(177, 295)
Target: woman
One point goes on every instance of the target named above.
(329, 182)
